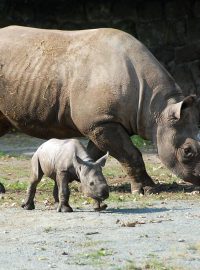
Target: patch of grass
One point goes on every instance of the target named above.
(113, 171)
(139, 142)
(155, 264)
(130, 265)
(161, 173)
(48, 229)
(194, 247)
(3, 154)
(99, 253)
(17, 186)
(97, 257)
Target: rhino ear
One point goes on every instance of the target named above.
(77, 162)
(102, 160)
(179, 108)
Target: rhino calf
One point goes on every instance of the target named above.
(65, 161)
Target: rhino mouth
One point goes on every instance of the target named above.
(97, 198)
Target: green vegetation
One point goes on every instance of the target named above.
(153, 264)
(97, 257)
(139, 142)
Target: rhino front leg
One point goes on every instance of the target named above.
(94, 152)
(63, 193)
(113, 137)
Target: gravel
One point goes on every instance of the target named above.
(124, 236)
(166, 232)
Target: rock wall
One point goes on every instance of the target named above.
(170, 29)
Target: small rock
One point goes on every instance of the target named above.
(91, 233)
(181, 240)
(65, 253)
(13, 204)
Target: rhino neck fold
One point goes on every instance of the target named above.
(151, 104)
(160, 100)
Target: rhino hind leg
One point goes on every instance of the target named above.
(55, 192)
(113, 137)
(36, 176)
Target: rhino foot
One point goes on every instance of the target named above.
(152, 189)
(28, 206)
(99, 206)
(136, 191)
(64, 209)
(146, 190)
(2, 188)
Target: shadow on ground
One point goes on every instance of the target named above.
(163, 187)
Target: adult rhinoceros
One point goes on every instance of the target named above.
(102, 84)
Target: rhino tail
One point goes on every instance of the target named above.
(37, 172)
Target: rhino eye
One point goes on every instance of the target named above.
(188, 152)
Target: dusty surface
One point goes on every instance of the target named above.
(126, 235)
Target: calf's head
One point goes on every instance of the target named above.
(178, 139)
(93, 183)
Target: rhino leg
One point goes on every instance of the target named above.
(36, 176)
(113, 137)
(93, 151)
(55, 192)
(2, 188)
(5, 126)
(63, 192)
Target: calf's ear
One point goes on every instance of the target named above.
(102, 160)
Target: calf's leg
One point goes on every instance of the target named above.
(55, 192)
(36, 176)
(63, 192)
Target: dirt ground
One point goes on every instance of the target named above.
(153, 232)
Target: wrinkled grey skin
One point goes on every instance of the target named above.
(65, 161)
(102, 84)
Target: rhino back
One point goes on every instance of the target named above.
(33, 79)
(62, 83)
(57, 155)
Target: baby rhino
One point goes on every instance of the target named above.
(65, 161)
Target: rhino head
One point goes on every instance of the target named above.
(93, 183)
(178, 139)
